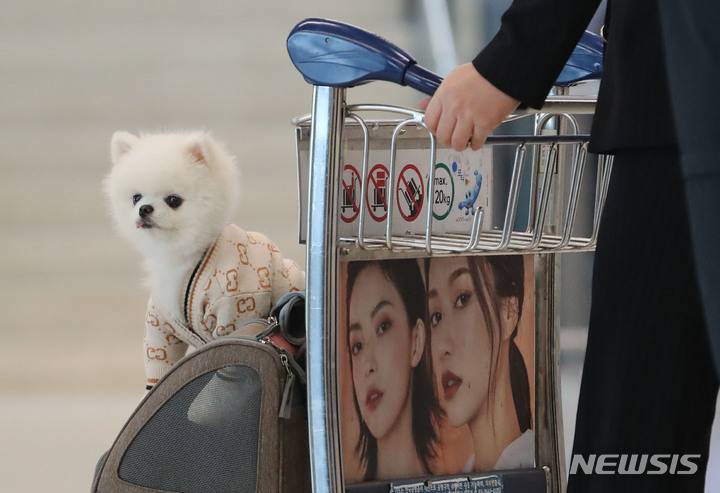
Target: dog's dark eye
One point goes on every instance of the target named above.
(173, 201)
(136, 198)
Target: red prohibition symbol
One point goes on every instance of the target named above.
(376, 195)
(350, 194)
(410, 194)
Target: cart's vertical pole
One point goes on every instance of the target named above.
(564, 164)
(549, 433)
(325, 147)
(551, 443)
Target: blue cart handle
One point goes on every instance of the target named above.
(332, 53)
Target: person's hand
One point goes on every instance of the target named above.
(466, 108)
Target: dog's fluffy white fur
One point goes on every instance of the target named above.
(149, 168)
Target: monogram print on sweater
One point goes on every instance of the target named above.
(172, 340)
(209, 322)
(245, 304)
(209, 282)
(156, 353)
(263, 274)
(232, 280)
(224, 330)
(242, 253)
(168, 327)
(153, 319)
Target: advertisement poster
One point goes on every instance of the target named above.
(436, 366)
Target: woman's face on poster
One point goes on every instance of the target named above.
(380, 341)
(461, 348)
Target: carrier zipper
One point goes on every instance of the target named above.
(188, 291)
(293, 371)
(286, 401)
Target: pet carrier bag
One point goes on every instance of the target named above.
(230, 417)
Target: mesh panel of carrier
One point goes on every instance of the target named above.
(203, 439)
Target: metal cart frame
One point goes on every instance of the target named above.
(550, 231)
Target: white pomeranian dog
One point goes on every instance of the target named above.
(172, 196)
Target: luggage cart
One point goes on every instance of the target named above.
(375, 186)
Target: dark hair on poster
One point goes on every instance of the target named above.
(508, 274)
(405, 277)
(495, 278)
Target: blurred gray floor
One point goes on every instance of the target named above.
(71, 73)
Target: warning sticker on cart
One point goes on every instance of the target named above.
(349, 194)
(410, 192)
(444, 192)
(376, 197)
(472, 187)
(463, 185)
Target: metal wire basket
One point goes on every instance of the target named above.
(535, 210)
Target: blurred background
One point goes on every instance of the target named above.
(74, 71)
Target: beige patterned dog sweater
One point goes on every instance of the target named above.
(239, 278)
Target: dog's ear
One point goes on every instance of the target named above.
(200, 149)
(120, 144)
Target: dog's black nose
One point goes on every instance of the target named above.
(146, 210)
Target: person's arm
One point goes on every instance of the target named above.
(519, 65)
(535, 40)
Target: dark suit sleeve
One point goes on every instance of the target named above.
(535, 40)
